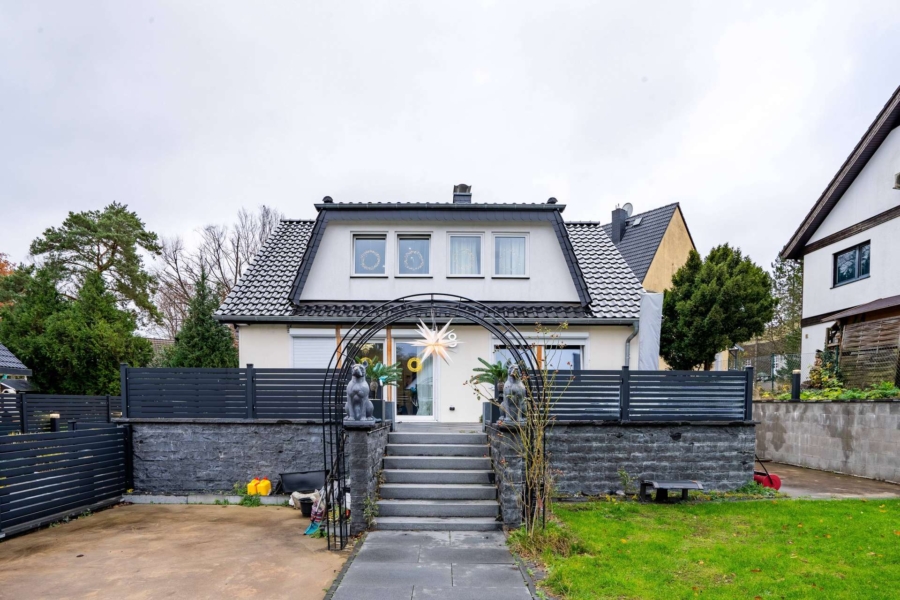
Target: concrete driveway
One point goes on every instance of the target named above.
(171, 551)
(798, 482)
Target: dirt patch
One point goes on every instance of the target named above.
(171, 551)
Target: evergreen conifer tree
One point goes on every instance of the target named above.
(203, 341)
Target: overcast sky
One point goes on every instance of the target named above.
(186, 111)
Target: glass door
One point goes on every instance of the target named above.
(415, 392)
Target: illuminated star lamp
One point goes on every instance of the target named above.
(435, 342)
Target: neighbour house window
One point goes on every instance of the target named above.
(413, 254)
(851, 264)
(369, 254)
(510, 255)
(465, 255)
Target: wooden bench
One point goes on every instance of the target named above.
(662, 489)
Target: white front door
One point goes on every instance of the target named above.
(415, 393)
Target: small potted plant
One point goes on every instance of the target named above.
(380, 375)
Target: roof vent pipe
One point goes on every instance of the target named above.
(619, 218)
(462, 194)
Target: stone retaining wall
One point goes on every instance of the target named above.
(208, 457)
(859, 438)
(585, 458)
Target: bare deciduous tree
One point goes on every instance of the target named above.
(224, 251)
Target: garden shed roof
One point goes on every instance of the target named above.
(10, 365)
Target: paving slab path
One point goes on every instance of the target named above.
(451, 565)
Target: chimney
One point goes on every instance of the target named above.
(462, 194)
(619, 217)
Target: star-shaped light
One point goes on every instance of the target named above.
(435, 342)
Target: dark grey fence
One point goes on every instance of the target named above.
(652, 395)
(245, 393)
(47, 476)
(50, 412)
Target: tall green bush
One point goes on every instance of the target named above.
(202, 341)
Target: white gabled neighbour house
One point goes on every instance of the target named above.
(850, 247)
(313, 279)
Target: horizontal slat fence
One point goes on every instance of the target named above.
(687, 395)
(651, 395)
(86, 409)
(10, 414)
(245, 393)
(45, 476)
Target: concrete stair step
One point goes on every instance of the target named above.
(438, 438)
(452, 491)
(436, 450)
(436, 524)
(438, 508)
(438, 462)
(437, 476)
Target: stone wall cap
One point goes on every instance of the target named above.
(179, 421)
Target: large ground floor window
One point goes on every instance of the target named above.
(559, 357)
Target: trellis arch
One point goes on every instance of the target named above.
(432, 306)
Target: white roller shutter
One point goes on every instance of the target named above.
(312, 352)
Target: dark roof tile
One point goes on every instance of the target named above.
(640, 242)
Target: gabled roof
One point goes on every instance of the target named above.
(10, 365)
(888, 119)
(642, 237)
(264, 291)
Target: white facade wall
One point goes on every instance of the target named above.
(331, 276)
(870, 194)
(604, 348)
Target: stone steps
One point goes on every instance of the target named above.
(437, 480)
(436, 524)
(446, 476)
(439, 463)
(438, 508)
(438, 491)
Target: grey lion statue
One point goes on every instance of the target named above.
(359, 407)
(513, 395)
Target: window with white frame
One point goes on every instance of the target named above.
(510, 255)
(312, 351)
(465, 255)
(369, 253)
(413, 254)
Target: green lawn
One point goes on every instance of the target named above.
(752, 549)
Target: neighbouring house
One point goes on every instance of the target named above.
(655, 244)
(13, 374)
(849, 243)
(313, 279)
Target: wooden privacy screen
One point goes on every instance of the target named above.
(46, 476)
(870, 352)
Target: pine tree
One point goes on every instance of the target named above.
(713, 304)
(203, 341)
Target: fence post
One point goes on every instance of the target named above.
(250, 390)
(748, 395)
(129, 458)
(625, 395)
(23, 412)
(123, 379)
(108, 415)
(795, 384)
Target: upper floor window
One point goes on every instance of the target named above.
(510, 255)
(369, 254)
(414, 256)
(465, 255)
(852, 264)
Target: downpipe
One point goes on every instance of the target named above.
(637, 327)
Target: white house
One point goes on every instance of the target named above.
(850, 247)
(313, 279)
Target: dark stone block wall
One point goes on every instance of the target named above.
(509, 473)
(364, 451)
(585, 459)
(204, 457)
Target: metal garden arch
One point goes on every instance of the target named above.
(418, 306)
